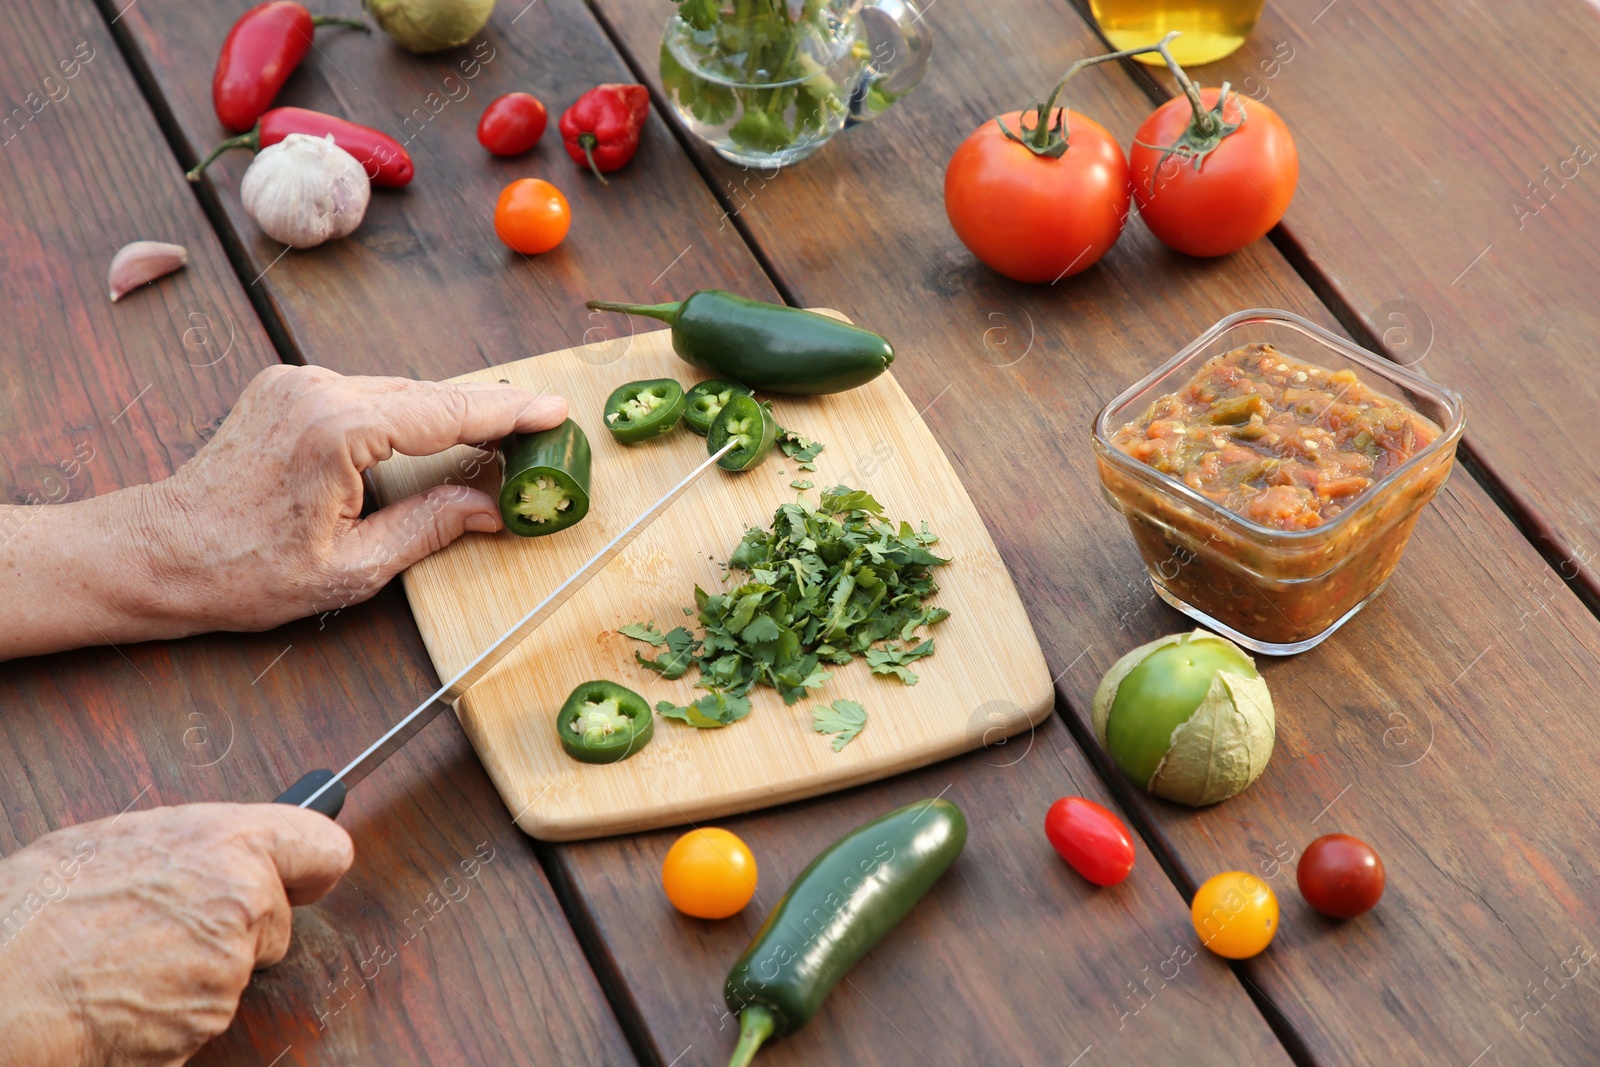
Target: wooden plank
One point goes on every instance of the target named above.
(1447, 707)
(475, 590)
(1464, 240)
(634, 232)
(95, 397)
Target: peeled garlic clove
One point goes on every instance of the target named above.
(141, 263)
(305, 190)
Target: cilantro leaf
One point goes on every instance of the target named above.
(891, 659)
(843, 719)
(675, 661)
(643, 631)
(709, 712)
(802, 449)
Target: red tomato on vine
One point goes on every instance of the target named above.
(1209, 180)
(1039, 202)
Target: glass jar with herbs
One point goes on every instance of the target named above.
(767, 82)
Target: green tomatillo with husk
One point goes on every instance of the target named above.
(430, 25)
(1188, 717)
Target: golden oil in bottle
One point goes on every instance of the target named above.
(1211, 28)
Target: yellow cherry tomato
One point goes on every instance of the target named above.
(709, 873)
(532, 216)
(1235, 914)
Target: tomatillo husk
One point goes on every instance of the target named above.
(1188, 717)
(430, 25)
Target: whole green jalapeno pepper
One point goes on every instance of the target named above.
(545, 487)
(747, 422)
(706, 400)
(770, 347)
(842, 905)
(639, 411)
(603, 722)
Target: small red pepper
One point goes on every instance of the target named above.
(601, 130)
(385, 159)
(260, 53)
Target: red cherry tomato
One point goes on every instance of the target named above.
(1030, 217)
(1340, 876)
(512, 124)
(1090, 838)
(1219, 204)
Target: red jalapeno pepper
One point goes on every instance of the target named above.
(261, 51)
(601, 130)
(385, 160)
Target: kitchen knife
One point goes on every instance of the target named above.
(324, 791)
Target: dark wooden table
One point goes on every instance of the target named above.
(1449, 724)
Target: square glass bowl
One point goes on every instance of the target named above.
(1274, 591)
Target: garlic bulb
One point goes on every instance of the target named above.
(305, 190)
(141, 263)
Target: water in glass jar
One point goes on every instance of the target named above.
(1211, 28)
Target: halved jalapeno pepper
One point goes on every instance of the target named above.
(639, 411)
(750, 425)
(546, 482)
(603, 722)
(706, 400)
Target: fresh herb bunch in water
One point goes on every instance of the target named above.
(772, 68)
(826, 583)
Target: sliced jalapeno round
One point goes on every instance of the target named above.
(603, 722)
(639, 411)
(546, 481)
(750, 425)
(706, 400)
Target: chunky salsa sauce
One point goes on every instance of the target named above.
(1287, 445)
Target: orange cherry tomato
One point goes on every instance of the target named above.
(709, 873)
(532, 216)
(1230, 198)
(1235, 914)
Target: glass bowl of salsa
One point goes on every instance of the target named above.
(1271, 474)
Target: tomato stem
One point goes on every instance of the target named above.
(1206, 129)
(1049, 139)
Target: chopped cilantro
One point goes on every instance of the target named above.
(643, 631)
(710, 711)
(843, 719)
(891, 659)
(800, 448)
(675, 661)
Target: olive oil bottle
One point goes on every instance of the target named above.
(1211, 28)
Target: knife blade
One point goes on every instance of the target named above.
(324, 791)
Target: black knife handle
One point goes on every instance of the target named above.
(328, 803)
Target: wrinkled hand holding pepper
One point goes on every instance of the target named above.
(261, 50)
(601, 130)
(385, 160)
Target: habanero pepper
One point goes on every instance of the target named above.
(546, 480)
(843, 904)
(771, 347)
(385, 160)
(260, 52)
(601, 129)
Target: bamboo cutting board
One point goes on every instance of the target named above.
(986, 681)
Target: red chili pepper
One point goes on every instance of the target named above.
(385, 160)
(601, 130)
(260, 53)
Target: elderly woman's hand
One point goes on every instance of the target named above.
(264, 524)
(129, 940)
